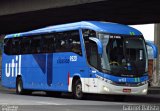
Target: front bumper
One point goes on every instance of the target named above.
(107, 88)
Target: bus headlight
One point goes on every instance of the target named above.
(144, 91)
(106, 88)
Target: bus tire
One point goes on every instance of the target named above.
(19, 86)
(77, 89)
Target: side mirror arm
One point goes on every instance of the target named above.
(154, 47)
(99, 44)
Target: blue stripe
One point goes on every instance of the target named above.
(41, 60)
(49, 69)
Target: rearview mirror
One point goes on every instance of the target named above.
(152, 50)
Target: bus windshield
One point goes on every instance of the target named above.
(123, 55)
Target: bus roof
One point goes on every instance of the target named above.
(94, 25)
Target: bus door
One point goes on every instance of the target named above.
(92, 58)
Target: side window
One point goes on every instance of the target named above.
(8, 46)
(61, 42)
(92, 53)
(36, 45)
(88, 33)
(15, 46)
(68, 42)
(91, 48)
(25, 45)
(75, 43)
(48, 43)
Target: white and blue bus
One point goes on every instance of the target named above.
(83, 57)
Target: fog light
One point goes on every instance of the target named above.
(144, 91)
(106, 89)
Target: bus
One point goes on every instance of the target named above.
(81, 57)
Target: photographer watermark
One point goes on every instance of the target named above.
(141, 108)
(9, 108)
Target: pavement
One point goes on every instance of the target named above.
(39, 101)
(154, 90)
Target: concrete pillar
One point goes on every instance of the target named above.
(156, 73)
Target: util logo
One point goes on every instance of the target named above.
(14, 68)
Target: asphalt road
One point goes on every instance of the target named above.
(39, 101)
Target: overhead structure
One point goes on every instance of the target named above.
(23, 15)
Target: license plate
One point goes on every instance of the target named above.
(127, 90)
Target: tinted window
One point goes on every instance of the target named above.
(68, 41)
(35, 45)
(48, 43)
(8, 46)
(91, 48)
(25, 45)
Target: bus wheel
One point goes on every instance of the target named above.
(77, 89)
(19, 86)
